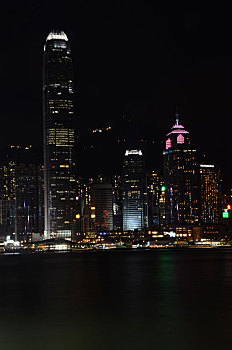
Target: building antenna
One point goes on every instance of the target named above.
(177, 116)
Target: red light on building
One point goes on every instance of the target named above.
(229, 207)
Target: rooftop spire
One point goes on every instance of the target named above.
(177, 116)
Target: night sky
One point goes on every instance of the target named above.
(129, 59)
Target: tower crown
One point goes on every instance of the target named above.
(57, 34)
(177, 128)
(177, 135)
(133, 151)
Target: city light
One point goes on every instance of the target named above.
(225, 214)
(183, 200)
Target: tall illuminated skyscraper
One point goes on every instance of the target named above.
(134, 191)
(153, 194)
(181, 182)
(59, 137)
(210, 200)
(103, 202)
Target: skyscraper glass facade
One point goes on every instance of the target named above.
(134, 195)
(210, 200)
(59, 137)
(180, 179)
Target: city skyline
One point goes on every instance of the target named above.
(115, 175)
(154, 65)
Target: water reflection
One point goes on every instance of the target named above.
(117, 299)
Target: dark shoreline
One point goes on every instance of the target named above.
(76, 251)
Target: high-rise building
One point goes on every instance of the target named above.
(226, 213)
(153, 193)
(134, 191)
(117, 203)
(21, 193)
(7, 197)
(86, 208)
(59, 137)
(162, 205)
(28, 201)
(102, 191)
(181, 182)
(210, 201)
(7, 218)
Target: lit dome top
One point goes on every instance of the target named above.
(57, 34)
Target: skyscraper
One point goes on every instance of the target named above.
(59, 137)
(28, 200)
(134, 191)
(153, 195)
(210, 200)
(103, 202)
(21, 193)
(117, 203)
(180, 182)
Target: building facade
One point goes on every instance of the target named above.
(21, 193)
(117, 203)
(28, 201)
(59, 137)
(134, 192)
(210, 201)
(153, 195)
(102, 193)
(181, 182)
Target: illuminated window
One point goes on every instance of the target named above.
(168, 143)
(180, 139)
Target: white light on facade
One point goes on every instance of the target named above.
(134, 151)
(57, 35)
(206, 166)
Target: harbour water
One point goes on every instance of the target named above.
(118, 299)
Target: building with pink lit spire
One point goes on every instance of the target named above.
(180, 167)
(177, 135)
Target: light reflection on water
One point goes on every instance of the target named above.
(116, 300)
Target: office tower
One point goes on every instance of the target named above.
(162, 211)
(7, 197)
(181, 182)
(21, 193)
(59, 137)
(28, 201)
(7, 177)
(226, 213)
(102, 192)
(117, 203)
(7, 218)
(210, 201)
(85, 217)
(134, 191)
(153, 194)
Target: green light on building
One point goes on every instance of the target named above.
(225, 215)
(163, 188)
